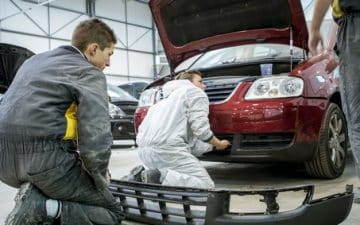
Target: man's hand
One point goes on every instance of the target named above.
(314, 39)
(223, 144)
(219, 144)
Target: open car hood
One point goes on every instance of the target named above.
(190, 27)
(11, 58)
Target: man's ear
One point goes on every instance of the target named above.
(91, 48)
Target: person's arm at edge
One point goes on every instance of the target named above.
(320, 9)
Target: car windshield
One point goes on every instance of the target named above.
(240, 54)
(118, 93)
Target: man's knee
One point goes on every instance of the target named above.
(75, 213)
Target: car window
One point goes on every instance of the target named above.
(139, 87)
(243, 53)
(126, 88)
(260, 51)
(116, 92)
(134, 88)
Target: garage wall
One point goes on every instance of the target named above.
(41, 25)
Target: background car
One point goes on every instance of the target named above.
(11, 58)
(273, 102)
(134, 88)
(122, 107)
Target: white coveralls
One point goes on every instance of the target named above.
(173, 131)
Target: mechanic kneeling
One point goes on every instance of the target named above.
(173, 132)
(57, 97)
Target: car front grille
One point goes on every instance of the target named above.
(129, 109)
(220, 89)
(219, 93)
(266, 140)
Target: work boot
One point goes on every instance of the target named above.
(151, 176)
(135, 174)
(29, 207)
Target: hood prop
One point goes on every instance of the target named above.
(291, 48)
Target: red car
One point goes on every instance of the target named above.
(274, 102)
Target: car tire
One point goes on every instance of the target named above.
(330, 157)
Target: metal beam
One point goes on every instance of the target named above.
(127, 41)
(90, 8)
(29, 17)
(66, 24)
(28, 9)
(134, 42)
(68, 40)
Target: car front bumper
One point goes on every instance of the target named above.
(272, 130)
(157, 204)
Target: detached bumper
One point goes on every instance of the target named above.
(156, 204)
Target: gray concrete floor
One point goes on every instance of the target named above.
(233, 176)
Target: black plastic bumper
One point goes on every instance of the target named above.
(156, 204)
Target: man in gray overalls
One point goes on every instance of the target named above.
(59, 98)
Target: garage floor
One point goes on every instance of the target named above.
(234, 176)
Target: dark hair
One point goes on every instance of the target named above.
(93, 31)
(188, 75)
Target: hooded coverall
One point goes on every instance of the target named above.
(173, 131)
(55, 98)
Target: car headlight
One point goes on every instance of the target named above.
(149, 97)
(275, 87)
(115, 111)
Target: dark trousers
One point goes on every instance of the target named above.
(348, 45)
(55, 169)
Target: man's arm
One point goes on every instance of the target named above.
(320, 9)
(199, 147)
(94, 130)
(197, 114)
(198, 104)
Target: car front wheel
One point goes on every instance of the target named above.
(330, 157)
